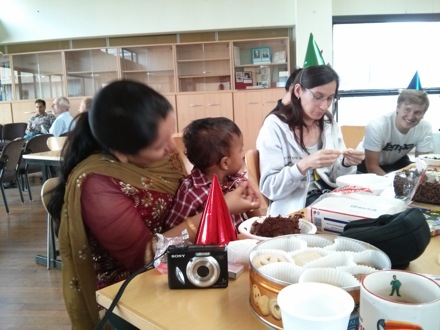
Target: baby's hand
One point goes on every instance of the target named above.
(242, 199)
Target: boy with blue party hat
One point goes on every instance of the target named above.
(389, 138)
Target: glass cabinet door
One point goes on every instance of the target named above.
(262, 63)
(90, 70)
(151, 65)
(38, 75)
(5, 78)
(204, 67)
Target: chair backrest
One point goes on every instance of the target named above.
(12, 131)
(37, 143)
(56, 142)
(178, 139)
(252, 160)
(352, 135)
(11, 156)
(46, 191)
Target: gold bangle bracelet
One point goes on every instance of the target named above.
(191, 226)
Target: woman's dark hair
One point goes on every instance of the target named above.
(208, 140)
(124, 117)
(307, 78)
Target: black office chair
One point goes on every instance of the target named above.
(35, 144)
(9, 162)
(12, 131)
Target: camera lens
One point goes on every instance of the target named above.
(203, 271)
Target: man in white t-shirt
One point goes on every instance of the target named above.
(389, 138)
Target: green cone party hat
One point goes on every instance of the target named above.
(313, 54)
(415, 82)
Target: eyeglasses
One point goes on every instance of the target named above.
(329, 100)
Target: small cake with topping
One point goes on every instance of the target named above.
(277, 226)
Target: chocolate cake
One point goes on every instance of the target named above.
(428, 190)
(277, 226)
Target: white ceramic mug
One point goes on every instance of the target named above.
(317, 306)
(393, 299)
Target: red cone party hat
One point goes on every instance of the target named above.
(216, 225)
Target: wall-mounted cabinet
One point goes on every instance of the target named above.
(151, 65)
(261, 63)
(195, 106)
(199, 78)
(90, 70)
(250, 110)
(203, 66)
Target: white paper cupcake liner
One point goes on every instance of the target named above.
(330, 276)
(358, 271)
(332, 260)
(345, 244)
(282, 243)
(263, 257)
(307, 255)
(372, 258)
(316, 241)
(285, 272)
(287, 244)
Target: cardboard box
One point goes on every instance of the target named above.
(333, 213)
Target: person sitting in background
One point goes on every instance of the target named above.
(41, 122)
(85, 104)
(61, 125)
(118, 178)
(301, 144)
(389, 138)
(215, 147)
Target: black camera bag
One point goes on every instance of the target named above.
(402, 236)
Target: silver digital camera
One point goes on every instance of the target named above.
(197, 266)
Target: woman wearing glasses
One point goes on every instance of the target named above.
(301, 147)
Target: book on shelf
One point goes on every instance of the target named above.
(279, 57)
(282, 78)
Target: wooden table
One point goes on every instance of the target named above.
(147, 302)
(47, 159)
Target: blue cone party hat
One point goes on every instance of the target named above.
(415, 82)
(313, 54)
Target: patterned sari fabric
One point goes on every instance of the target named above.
(84, 260)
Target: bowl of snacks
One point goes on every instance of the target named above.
(431, 159)
(324, 258)
(267, 227)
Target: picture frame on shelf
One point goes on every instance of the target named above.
(261, 55)
(247, 77)
(256, 55)
(239, 76)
